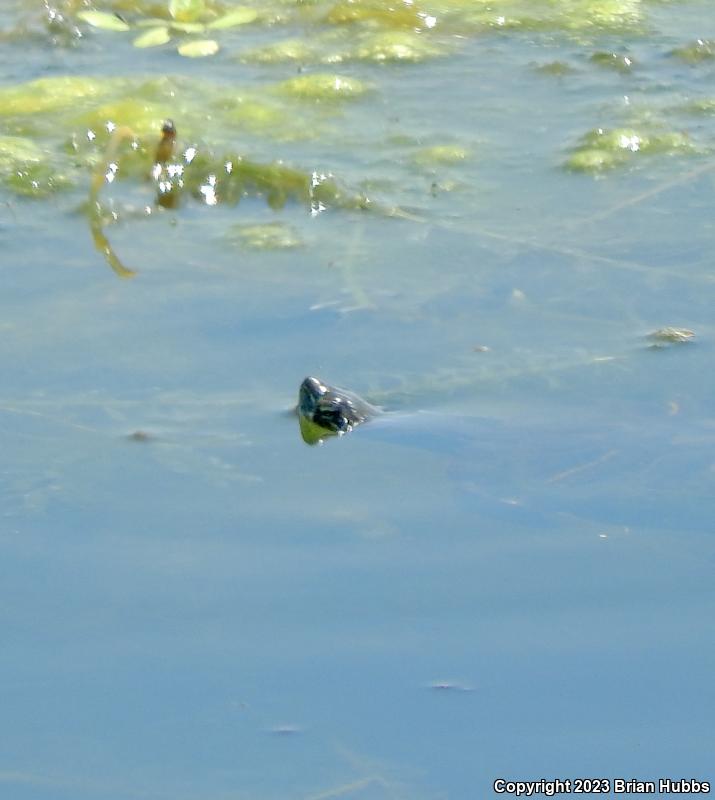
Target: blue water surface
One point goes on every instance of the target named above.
(510, 574)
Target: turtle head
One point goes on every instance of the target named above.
(311, 390)
(324, 410)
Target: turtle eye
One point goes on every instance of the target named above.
(330, 416)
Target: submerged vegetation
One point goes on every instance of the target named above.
(66, 131)
(695, 52)
(52, 129)
(212, 179)
(407, 30)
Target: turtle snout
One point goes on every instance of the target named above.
(311, 390)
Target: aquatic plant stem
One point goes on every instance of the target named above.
(99, 178)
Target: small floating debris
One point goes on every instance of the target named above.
(139, 436)
(449, 686)
(285, 730)
(667, 336)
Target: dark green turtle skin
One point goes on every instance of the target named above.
(325, 410)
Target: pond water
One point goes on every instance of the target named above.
(512, 575)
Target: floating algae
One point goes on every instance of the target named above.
(299, 50)
(261, 116)
(428, 28)
(440, 155)
(407, 46)
(344, 46)
(143, 116)
(63, 124)
(379, 14)
(27, 170)
(577, 17)
(465, 16)
(226, 179)
(556, 69)
(408, 32)
(16, 150)
(601, 149)
(37, 180)
(266, 236)
(51, 94)
(705, 106)
(618, 62)
(177, 17)
(695, 52)
(321, 87)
